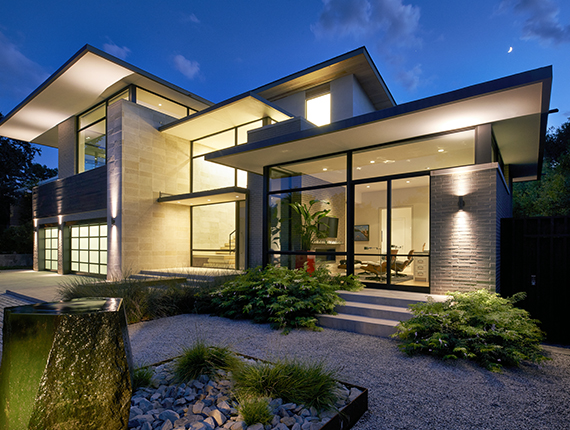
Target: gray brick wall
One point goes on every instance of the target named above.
(504, 210)
(464, 242)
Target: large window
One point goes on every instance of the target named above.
(319, 109)
(89, 248)
(391, 232)
(92, 139)
(210, 176)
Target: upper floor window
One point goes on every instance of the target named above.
(319, 109)
(92, 139)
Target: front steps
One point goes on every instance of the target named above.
(373, 312)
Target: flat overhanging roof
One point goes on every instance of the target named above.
(517, 107)
(222, 116)
(221, 195)
(89, 77)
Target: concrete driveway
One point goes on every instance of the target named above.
(38, 285)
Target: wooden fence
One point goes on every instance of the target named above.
(535, 258)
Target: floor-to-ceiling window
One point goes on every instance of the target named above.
(307, 214)
(380, 212)
(218, 229)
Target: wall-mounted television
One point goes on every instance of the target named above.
(329, 224)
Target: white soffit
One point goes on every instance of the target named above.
(190, 200)
(233, 114)
(75, 90)
(88, 78)
(512, 106)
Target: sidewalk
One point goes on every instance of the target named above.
(39, 285)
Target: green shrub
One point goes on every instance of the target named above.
(478, 325)
(141, 377)
(282, 297)
(255, 410)
(202, 359)
(307, 383)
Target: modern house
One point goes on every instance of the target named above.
(152, 176)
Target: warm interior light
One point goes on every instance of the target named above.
(319, 110)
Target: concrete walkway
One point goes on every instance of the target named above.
(39, 285)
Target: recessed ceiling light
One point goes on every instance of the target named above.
(325, 169)
(359, 168)
(367, 186)
(160, 104)
(389, 161)
(237, 197)
(407, 182)
(372, 161)
(209, 200)
(440, 150)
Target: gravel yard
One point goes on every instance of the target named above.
(404, 392)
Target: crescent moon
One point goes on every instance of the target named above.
(510, 50)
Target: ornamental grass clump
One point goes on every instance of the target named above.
(306, 383)
(202, 359)
(283, 297)
(479, 325)
(255, 410)
(142, 377)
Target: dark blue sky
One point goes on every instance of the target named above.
(218, 49)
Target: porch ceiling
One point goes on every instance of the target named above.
(517, 107)
(89, 77)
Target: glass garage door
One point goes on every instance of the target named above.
(50, 248)
(89, 248)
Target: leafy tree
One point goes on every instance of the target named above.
(551, 195)
(18, 172)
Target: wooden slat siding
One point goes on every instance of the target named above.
(539, 247)
(79, 193)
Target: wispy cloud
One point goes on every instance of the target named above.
(18, 74)
(541, 20)
(117, 51)
(188, 68)
(394, 25)
(190, 18)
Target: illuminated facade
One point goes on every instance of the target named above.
(321, 167)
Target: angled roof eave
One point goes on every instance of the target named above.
(59, 98)
(357, 62)
(229, 113)
(303, 144)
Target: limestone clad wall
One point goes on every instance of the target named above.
(151, 234)
(463, 249)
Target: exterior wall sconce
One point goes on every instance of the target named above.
(461, 203)
(112, 221)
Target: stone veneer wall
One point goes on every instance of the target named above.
(463, 252)
(145, 162)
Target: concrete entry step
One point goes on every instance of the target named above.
(359, 324)
(373, 312)
(396, 313)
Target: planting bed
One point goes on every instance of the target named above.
(208, 404)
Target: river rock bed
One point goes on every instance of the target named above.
(208, 404)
